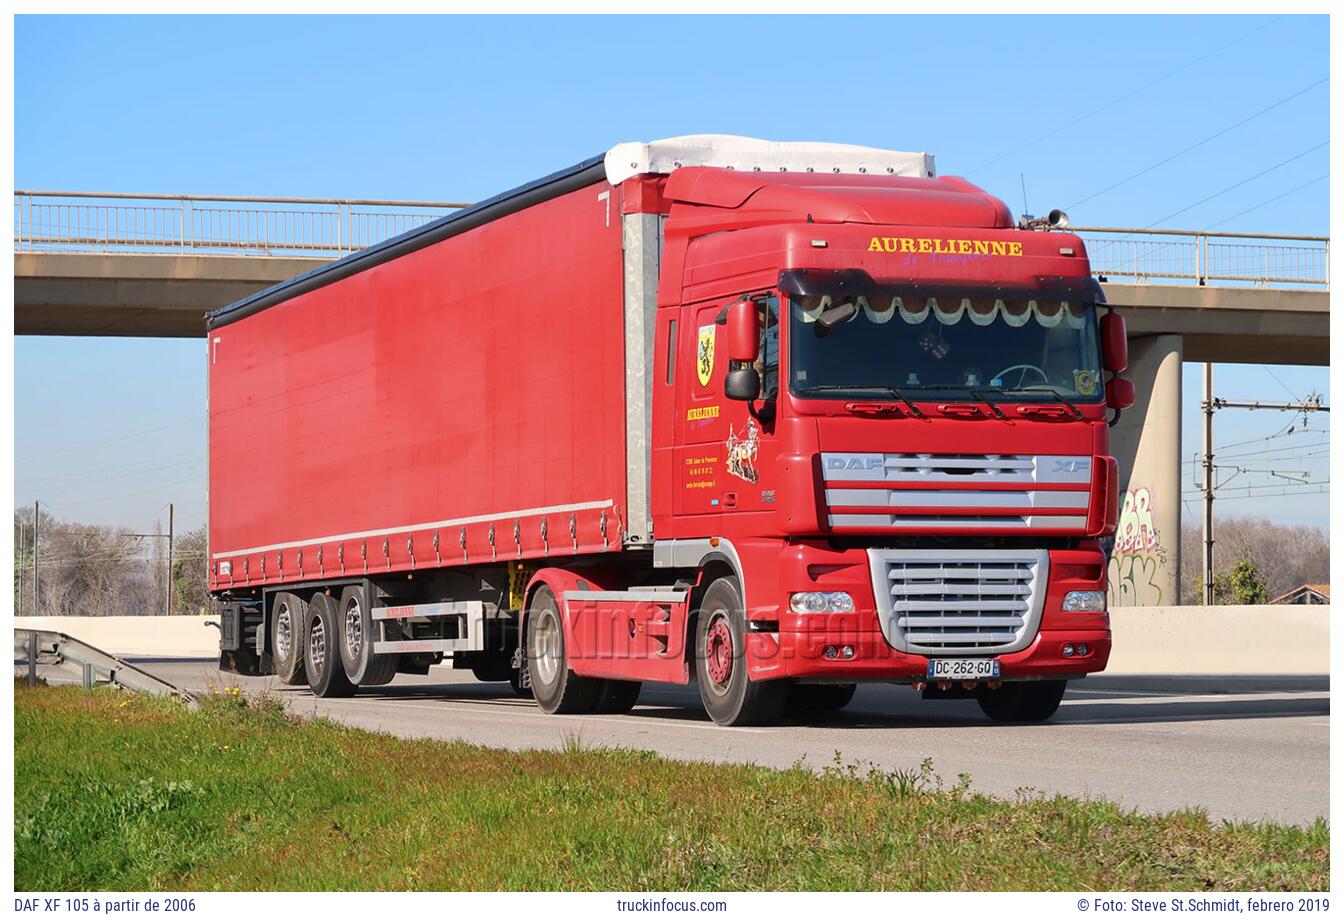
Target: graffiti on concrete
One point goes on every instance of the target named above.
(1138, 559)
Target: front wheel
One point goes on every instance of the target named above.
(730, 696)
(1022, 701)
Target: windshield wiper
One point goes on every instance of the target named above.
(1040, 387)
(837, 388)
(977, 392)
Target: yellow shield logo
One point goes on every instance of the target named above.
(704, 355)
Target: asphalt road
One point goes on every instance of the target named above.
(1241, 748)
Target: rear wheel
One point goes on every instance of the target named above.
(1022, 701)
(322, 658)
(288, 639)
(358, 632)
(554, 686)
(729, 695)
(820, 697)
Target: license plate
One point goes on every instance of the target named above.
(963, 668)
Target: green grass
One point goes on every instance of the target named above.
(114, 791)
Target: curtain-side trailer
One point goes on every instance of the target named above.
(771, 418)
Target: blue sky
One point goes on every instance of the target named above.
(110, 430)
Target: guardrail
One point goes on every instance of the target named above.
(116, 222)
(1202, 257)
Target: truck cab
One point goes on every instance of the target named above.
(889, 406)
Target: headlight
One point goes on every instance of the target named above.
(821, 602)
(1085, 602)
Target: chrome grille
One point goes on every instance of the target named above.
(876, 491)
(934, 602)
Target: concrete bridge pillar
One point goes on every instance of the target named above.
(1146, 560)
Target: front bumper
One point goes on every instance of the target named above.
(797, 645)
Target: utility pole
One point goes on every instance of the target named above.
(37, 523)
(1208, 483)
(168, 591)
(1211, 404)
(23, 560)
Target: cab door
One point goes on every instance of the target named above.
(725, 454)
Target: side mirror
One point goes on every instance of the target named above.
(742, 383)
(1114, 343)
(743, 338)
(1120, 393)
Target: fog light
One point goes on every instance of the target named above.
(831, 653)
(821, 602)
(1068, 651)
(847, 652)
(1085, 602)
(1082, 648)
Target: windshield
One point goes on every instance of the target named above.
(945, 347)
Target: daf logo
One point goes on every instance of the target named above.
(854, 463)
(1072, 465)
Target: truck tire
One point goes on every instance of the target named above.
(1021, 701)
(358, 629)
(728, 693)
(554, 686)
(820, 697)
(289, 638)
(618, 696)
(321, 658)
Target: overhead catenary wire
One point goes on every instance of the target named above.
(1279, 197)
(1200, 143)
(112, 440)
(1237, 185)
(1127, 96)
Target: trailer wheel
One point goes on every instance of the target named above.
(618, 696)
(729, 695)
(820, 697)
(554, 686)
(321, 657)
(289, 616)
(1022, 701)
(358, 631)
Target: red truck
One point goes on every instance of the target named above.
(773, 418)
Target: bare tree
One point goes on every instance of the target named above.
(89, 570)
(1285, 556)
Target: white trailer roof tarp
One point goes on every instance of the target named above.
(748, 154)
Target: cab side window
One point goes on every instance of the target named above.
(768, 363)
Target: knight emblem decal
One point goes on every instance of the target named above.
(742, 452)
(704, 354)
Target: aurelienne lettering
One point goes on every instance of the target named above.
(941, 247)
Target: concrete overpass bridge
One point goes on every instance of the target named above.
(153, 265)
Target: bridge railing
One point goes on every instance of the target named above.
(1204, 257)
(115, 222)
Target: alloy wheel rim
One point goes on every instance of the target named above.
(284, 632)
(354, 628)
(317, 642)
(547, 663)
